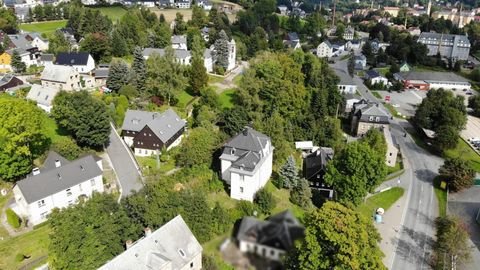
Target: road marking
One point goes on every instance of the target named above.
(416, 95)
(421, 187)
(420, 201)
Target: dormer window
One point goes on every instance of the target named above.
(377, 119)
(370, 118)
(232, 151)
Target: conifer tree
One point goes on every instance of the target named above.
(17, 64)
(118, 75)
(198, 72)
(289, 173)
(221, 50)
(139, 70)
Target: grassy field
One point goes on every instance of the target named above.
(170, 14)
(377, 95)
(183, 99)
(464, 151)
(398, 166)
(226, 98)
(151, 162)
(384, 200)
(383, 71)
(114, 13)
(441, 196)
(53, 131)
(33, 244)
(392, 110)
(215, 79)
(43, 27)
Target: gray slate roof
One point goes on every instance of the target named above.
(163, 246)
(180, 54)
(53, 180)
(176, 39)
(364, 110)
(42, 94)
(345, 78)
(424, 36)
(164, 125)
(20, 42)
(47, 57)
(279, 231)
(101, 72)
(430, 76)
(57, 73)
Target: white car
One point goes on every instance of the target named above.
(474, 139)
(396, 105)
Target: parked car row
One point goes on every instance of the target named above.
(475, 142)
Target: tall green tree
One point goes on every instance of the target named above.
(118, 75)
(119, 45)
(198, 73)
(337, 237)
(458, 172)
(221, 50)
(22, 137)
(301, 194)
(57, 43)
(375, 139)
(139, 70)
(106, 228)
(8, 21)
(98, 45)
(160, 37)
(83, 116)
(198, 148)
(351, 64)
(180, 26)
(17, 64)
(355, 170)
(289, 174)
(451, 246)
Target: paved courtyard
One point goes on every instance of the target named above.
(405, 102)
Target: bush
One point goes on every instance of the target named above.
(67, 148)
(13, 219)
(246, 208)
(264, 201)
(19, 257)
(301, 194)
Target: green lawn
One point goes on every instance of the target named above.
(383, 71)
(398, 166)
(226, 98)
(464, 151)
(183, 99)
(377, 95)
(151, 163)
(3, 201)
(33, 244)
(215, 79)
(237, 79)
(53, 131)
(114, 12)
(43, 27)
(392, 110)
(441, 196)
(384, 200)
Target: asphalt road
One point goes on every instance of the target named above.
(413, 247)
(124, 165)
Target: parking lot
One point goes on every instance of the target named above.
(405, 102)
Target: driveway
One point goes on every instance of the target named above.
(124, 164)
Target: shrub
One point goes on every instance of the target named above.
(265, 201)
(19, 257)
(67, 148)
(301, 194)
(246, 208)
(13, 219)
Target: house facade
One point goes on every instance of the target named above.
(270, 239)
(148, 133)
(456, 47)
(179, 42)
(58, 184)
(5, 60)
(346, 84)
(171, 247)
(82, 62)
(325, 49)
(349, 33)
(8, 81)
(61, 77)
(314, 168)
(246, 163)
(43, 96)
(375, 78)
(360, 62)
(366, 115)
(432, 80)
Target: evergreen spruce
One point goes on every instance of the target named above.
(289, 173)
(301, 194)
(198, 72)
(17, 64)
(139, 70)
(118, 75)
(221, 50)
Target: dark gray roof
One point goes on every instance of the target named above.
(101, 72)
(47, 57)
(293, 36)
(173, 243)
(372, 73)
(368, 112)
(430, 36)
(316, 163)
(179, 39)
(53, 180)
(70, 59)
(164, 125)
(360, 57)
(180, 54)
(345, 78)
(431, 76)
(279, 231)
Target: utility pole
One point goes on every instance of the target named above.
(334, 8)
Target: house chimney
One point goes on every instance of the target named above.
(57, 163)
(245, 131)
(36, 171)
(128, 244)
(147, 231)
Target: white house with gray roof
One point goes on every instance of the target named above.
(171, 247)
(246, 163)
(456, 47)
(325, 49)
(43, 96)
(61, 77)
(179, 42)
(58, 184)
(346, 85)
(150, 132)
(181, 56)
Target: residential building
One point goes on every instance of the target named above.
(151, 132)
(405, 67)
(346, 84)
(38, 41)
(61, 77)
(414, 31)
(82, 62)
(283, 10)
(271, 238)
(314, 168)
(377, 45)
(392, 11)
(58, 184)
(246, 163)
(456, 47)
(101, 75)
(43, 96)
(433, 80)
(375, 78)
(349, 33)
(392, 150)
(205, 4)
(46, 59)
(360, 62)
(338, 47)
(458, 18)
(208, 60)
(179, 42)
(350, 100)
(22, 43)
(67, 33)
(181, 56)
(5, 60)
(171, 247)
(183, 4)
(292, 41)
(232, 55)
(325, 49)
(205, 33)
(354, 44)
(8, 81)
(366, 115)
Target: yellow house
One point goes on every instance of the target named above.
(5, 60)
